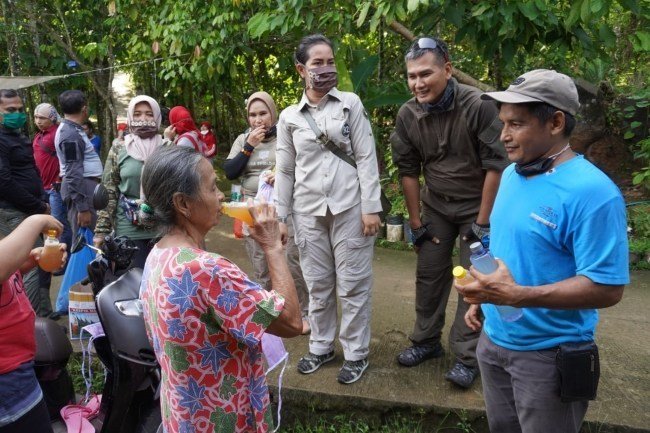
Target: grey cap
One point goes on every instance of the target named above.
(540, 85)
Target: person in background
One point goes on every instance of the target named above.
(447, 136)
(335, 207)
(559, 231)
(80, 166)
(122, 175)
(95, 140)
(22, 407)
(204, 316)
(182, 131)
(209, 137)
(252, 155)
(121, 132)
(21, 190)
(47, 120)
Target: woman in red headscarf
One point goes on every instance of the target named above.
(208, 136)
(183, 131)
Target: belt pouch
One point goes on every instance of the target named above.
(579, 367)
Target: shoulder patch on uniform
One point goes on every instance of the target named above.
(345, 129)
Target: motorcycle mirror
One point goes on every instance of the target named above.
(80, 243)
(100, 197)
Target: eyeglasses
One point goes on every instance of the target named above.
(431, 44)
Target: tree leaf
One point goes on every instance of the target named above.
(644, 39)
(628, 135)
(412, 5)
(363, 71)
(345, 83)
(363, 13)
(606, 35)
(585, 11)
(630, 5)
(529, 10)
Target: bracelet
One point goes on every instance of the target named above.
(282, 220)
(246, 152)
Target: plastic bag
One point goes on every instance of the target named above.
(75, 271)
(264, 189)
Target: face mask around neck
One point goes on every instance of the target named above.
(540, 165)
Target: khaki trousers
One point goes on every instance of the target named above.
(337, 262)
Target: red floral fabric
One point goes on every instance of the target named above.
(205, 320)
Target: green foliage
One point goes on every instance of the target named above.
(210, 56)
(639, 224)
(78, 382)
(639, 221)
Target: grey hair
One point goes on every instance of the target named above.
(167, 171)
(441, 53)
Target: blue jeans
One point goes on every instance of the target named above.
(60, 212)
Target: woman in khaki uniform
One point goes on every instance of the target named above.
(334, 199)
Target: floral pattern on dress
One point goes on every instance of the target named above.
(205, 320)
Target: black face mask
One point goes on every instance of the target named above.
(270, 132)
(538, 166)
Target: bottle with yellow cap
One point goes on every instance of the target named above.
(461, 275)
(52, 256)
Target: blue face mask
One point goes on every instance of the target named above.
(14, 120)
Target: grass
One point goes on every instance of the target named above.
(74, 368)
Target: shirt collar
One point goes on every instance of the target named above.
(333, 93)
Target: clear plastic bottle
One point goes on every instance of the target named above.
(52, 256)
(485, 263)
(237, 210)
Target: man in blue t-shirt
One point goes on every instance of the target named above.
(559, 231)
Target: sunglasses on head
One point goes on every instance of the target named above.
(432, 44)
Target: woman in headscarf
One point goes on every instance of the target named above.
(122, 178)
(207, 133)
(183, 132)
(253, 156)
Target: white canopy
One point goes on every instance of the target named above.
(22, 82)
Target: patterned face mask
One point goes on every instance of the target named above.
(144, 128)
(322, 79)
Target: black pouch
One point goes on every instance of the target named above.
(579, 368)
(56, 186)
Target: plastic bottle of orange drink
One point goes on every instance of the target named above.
(52, 256)
(237, 210)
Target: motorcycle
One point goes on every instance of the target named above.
(130, 395)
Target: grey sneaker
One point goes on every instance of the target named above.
(462, 375)
(310, 362)
(352, 371)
